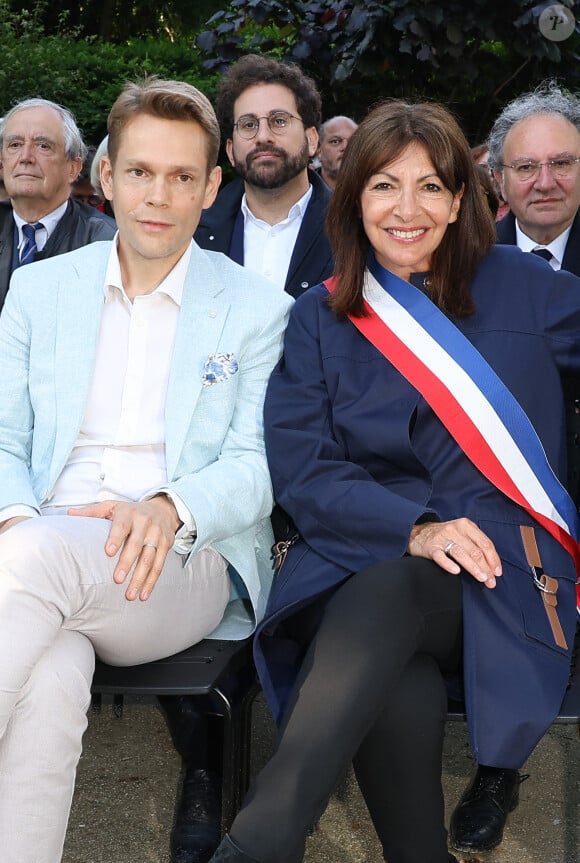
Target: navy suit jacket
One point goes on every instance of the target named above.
(312, 260)
(357, 457)
(506, 233)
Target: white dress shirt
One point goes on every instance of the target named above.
(49, 223)
(557, 247)
(120, 450)
(268, 248)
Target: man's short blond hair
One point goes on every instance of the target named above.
(169, 100)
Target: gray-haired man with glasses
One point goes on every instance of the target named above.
(534, 153)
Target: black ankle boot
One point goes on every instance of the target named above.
(197, 830)
(228, 852)
(198, 738)
(478, 822)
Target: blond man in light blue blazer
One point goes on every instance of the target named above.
(135, 494)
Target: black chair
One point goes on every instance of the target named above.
(223, 673)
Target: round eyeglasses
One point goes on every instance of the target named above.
(278, 123)
(560, 168)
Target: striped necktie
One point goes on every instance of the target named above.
(28, 250)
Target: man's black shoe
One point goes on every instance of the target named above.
(478, 822)
(197, 830)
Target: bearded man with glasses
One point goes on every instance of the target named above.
(271, 217)
(534, 153)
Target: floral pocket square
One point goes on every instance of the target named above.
(219, 367)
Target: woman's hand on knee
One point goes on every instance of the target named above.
(456, 545)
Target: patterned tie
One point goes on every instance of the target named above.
(28, 250)
(543, 253)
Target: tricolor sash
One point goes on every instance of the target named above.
(469, 398)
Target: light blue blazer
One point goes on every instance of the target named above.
(214, 437)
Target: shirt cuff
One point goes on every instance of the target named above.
(187, 533)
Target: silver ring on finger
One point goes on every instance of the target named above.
(449, 546)
(149, 545)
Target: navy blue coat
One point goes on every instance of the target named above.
(357, 457)
(506, 233)
(312, 259)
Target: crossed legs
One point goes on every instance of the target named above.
(370, 689)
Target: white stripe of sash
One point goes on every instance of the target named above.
(466, 393)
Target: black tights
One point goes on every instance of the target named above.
(370, 690)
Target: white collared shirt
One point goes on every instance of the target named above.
(120, 450)
(49, 223)
(268, 248)
(557, 247)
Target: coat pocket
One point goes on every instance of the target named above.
(520, 597)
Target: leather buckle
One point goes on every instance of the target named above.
(542, 581)
(547, 585)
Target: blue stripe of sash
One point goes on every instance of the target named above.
(458, 346)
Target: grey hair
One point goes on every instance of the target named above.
(74, 146)
(548, 98)
(101, 151)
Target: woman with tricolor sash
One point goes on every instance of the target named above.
(415, 436)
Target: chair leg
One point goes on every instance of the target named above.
(236, 755)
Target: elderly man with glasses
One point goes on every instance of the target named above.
(41, 154)
(534, 153)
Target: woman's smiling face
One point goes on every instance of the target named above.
(405, 211)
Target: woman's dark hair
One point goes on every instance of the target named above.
(380, 139)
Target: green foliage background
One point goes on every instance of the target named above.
(82, 71)
(473, 55)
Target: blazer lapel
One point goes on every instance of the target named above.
(78, 319)
(571, 260)
(311, 247)
(6, 249)
(202, 318)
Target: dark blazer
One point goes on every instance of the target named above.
(506, 233)
(79, 226)
(312, 259)
(357, 457)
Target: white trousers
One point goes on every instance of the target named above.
(58, 606)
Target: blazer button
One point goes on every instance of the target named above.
(212, 237)
(303, 284)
